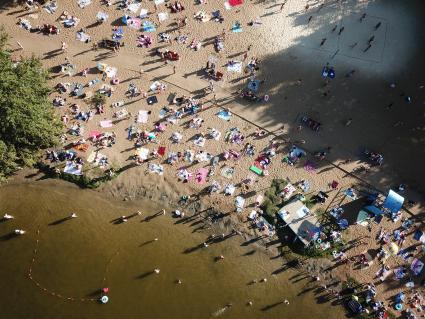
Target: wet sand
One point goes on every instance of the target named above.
(77, 257)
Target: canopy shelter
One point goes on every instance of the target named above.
(362, 218)
(301, 221)
(393, 202)
(373, 210)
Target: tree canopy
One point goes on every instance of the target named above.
(27, 119)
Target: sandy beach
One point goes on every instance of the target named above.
(375, 102)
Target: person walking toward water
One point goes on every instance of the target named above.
(323, 42)
(340, 30)
(362, 17)
(378, 25)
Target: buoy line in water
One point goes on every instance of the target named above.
(53, 293)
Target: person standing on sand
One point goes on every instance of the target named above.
(378, 25)
(309, 19)
(340, 30)
(323, 42)
(362, 17)
(64, 47)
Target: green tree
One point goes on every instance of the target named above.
(27, 119)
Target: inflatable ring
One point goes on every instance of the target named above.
(319, 241)
(398, 306)
(104, 299)
(266, 98)
(115, 81)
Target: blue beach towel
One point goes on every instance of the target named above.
(148, 26)
(236, 27)
(224, 115)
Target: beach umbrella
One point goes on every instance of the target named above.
(394, 248)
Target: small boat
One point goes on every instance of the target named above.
(6, 216)
(19, 231)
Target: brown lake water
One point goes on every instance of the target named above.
(75, 258)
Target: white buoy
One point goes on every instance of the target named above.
(7, 216)
(104, 299)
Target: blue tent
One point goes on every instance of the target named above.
(374, 210)
(393, 202)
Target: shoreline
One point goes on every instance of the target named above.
(286, 78)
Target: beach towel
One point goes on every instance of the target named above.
(235, 3)
(154, 86)
(51, 7)
(236, 27)
(134, 23)
(72, 168)
(199, 141)
(201, 175)
(229, 189)
(106, 123)
(163, 112)
(156, 168)
(162, 16)
(236, 67)
(152, 100)
(83, 3)
(77, 89)
(224, 115)
(70, 22)
(81, 147)
(142, 116)
(239, 203)
(142, 153)
(227, 172)
(111, 72)
(148, 26)
(399, 273)
(102, 16)
(94, 134)
(143, 13)
(254, 85)
(83, 37)
(416, 266)
(310, 167)
(161, 150)
(256, 170)
(93, 82)
(134, 7)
